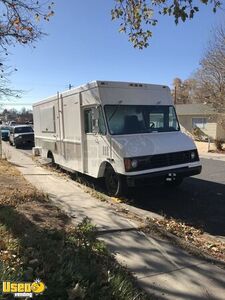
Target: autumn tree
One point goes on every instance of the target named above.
(138, 16)
(20, 19)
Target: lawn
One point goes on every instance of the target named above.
(37, 240)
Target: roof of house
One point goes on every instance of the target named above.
(194, 109)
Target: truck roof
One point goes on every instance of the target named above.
(103, 83)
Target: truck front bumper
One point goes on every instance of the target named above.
(161, 176)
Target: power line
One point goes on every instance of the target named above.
(12, 104)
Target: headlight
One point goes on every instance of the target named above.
(134, 163)
(130, 164)
(193, 155)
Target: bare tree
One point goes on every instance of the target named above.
(211, 74)
(19, 25)
(183, 91)
(6, 91)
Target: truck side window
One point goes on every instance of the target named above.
(101, 122)
(88, 121)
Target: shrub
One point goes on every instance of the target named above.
(219, 144)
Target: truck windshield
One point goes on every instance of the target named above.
(23, 129)
(4, 128)
(132, 119)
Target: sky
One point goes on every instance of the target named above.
(83, 44)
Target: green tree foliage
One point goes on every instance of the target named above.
(137, 16)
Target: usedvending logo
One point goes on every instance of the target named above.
(23, 289)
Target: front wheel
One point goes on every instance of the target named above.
(113, 182)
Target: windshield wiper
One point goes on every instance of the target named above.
(115, 110)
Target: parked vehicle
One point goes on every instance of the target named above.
(4, 132)
(12, 123)
(21, 135)
(123, 132)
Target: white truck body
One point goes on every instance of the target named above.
(83, 130)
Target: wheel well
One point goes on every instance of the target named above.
(49, 154)
(103, 167)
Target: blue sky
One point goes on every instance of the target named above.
(83, 44)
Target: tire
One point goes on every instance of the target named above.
(113, 182)
(51, 156)
(174, 183)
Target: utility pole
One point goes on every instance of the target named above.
(0, 144)
(175, 95)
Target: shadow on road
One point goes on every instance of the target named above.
(197, 202)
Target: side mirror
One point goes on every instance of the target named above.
(95, 127)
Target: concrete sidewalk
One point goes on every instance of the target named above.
(216, 156)
(161, 268)
(203, 151)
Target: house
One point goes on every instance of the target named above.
(203, 117)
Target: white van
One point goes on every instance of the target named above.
(120, 131)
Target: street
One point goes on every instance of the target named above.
(159, 266)
(199, 201)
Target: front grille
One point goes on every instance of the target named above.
(5, 134)
(26, 138)
(164, 160)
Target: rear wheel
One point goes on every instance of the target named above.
(52, 159)
(113, 181)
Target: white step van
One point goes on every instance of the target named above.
(126, 133)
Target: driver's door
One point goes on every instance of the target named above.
(90, 143)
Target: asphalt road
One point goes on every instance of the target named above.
(199, 201)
